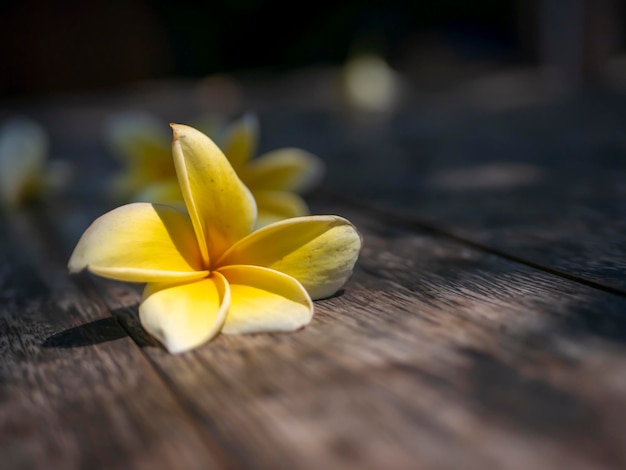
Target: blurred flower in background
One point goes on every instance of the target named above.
(371, 85)
(142, 144)
(25, 174)
(276, 179)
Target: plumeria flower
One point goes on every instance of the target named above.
(144, 148)
(24, 172)
(276, 178)
(206, 269)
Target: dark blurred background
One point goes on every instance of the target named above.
(50, 47)
(492, 117)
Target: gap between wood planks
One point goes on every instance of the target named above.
(405, 219)
(407, 367)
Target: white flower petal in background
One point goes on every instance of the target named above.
(23, 150)
(26, 174)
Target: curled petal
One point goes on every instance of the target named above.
(221, 208)
(278, 205)
(319, 251)
(23, 149)
(288, 169)
(240, 141)
(184, 316)
(140, 242)
(265, 300)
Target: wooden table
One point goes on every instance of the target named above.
(484, 326)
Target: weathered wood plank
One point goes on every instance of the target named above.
(75, 390)
(553, 226)
(435, 355)
(544, 184)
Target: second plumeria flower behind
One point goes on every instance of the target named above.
(207, 270)
(276, 178)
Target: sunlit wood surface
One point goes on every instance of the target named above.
(484, 326)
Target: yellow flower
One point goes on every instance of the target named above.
(276, 178)
(24, 172)
(144, 149)
(206, 269)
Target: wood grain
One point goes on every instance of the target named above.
(470, 336)
(542, 181)
(577, 232)
(544, 184)
(76, 391)
(435, 355)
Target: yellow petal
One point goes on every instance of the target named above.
(264, 300)
(185, 316)
(288, 169)
(140, 242)
(278, 205)
(221, 208)
(240, 141)
(319, 251)
(23, 149)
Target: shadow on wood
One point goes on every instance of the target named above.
(96, 332)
